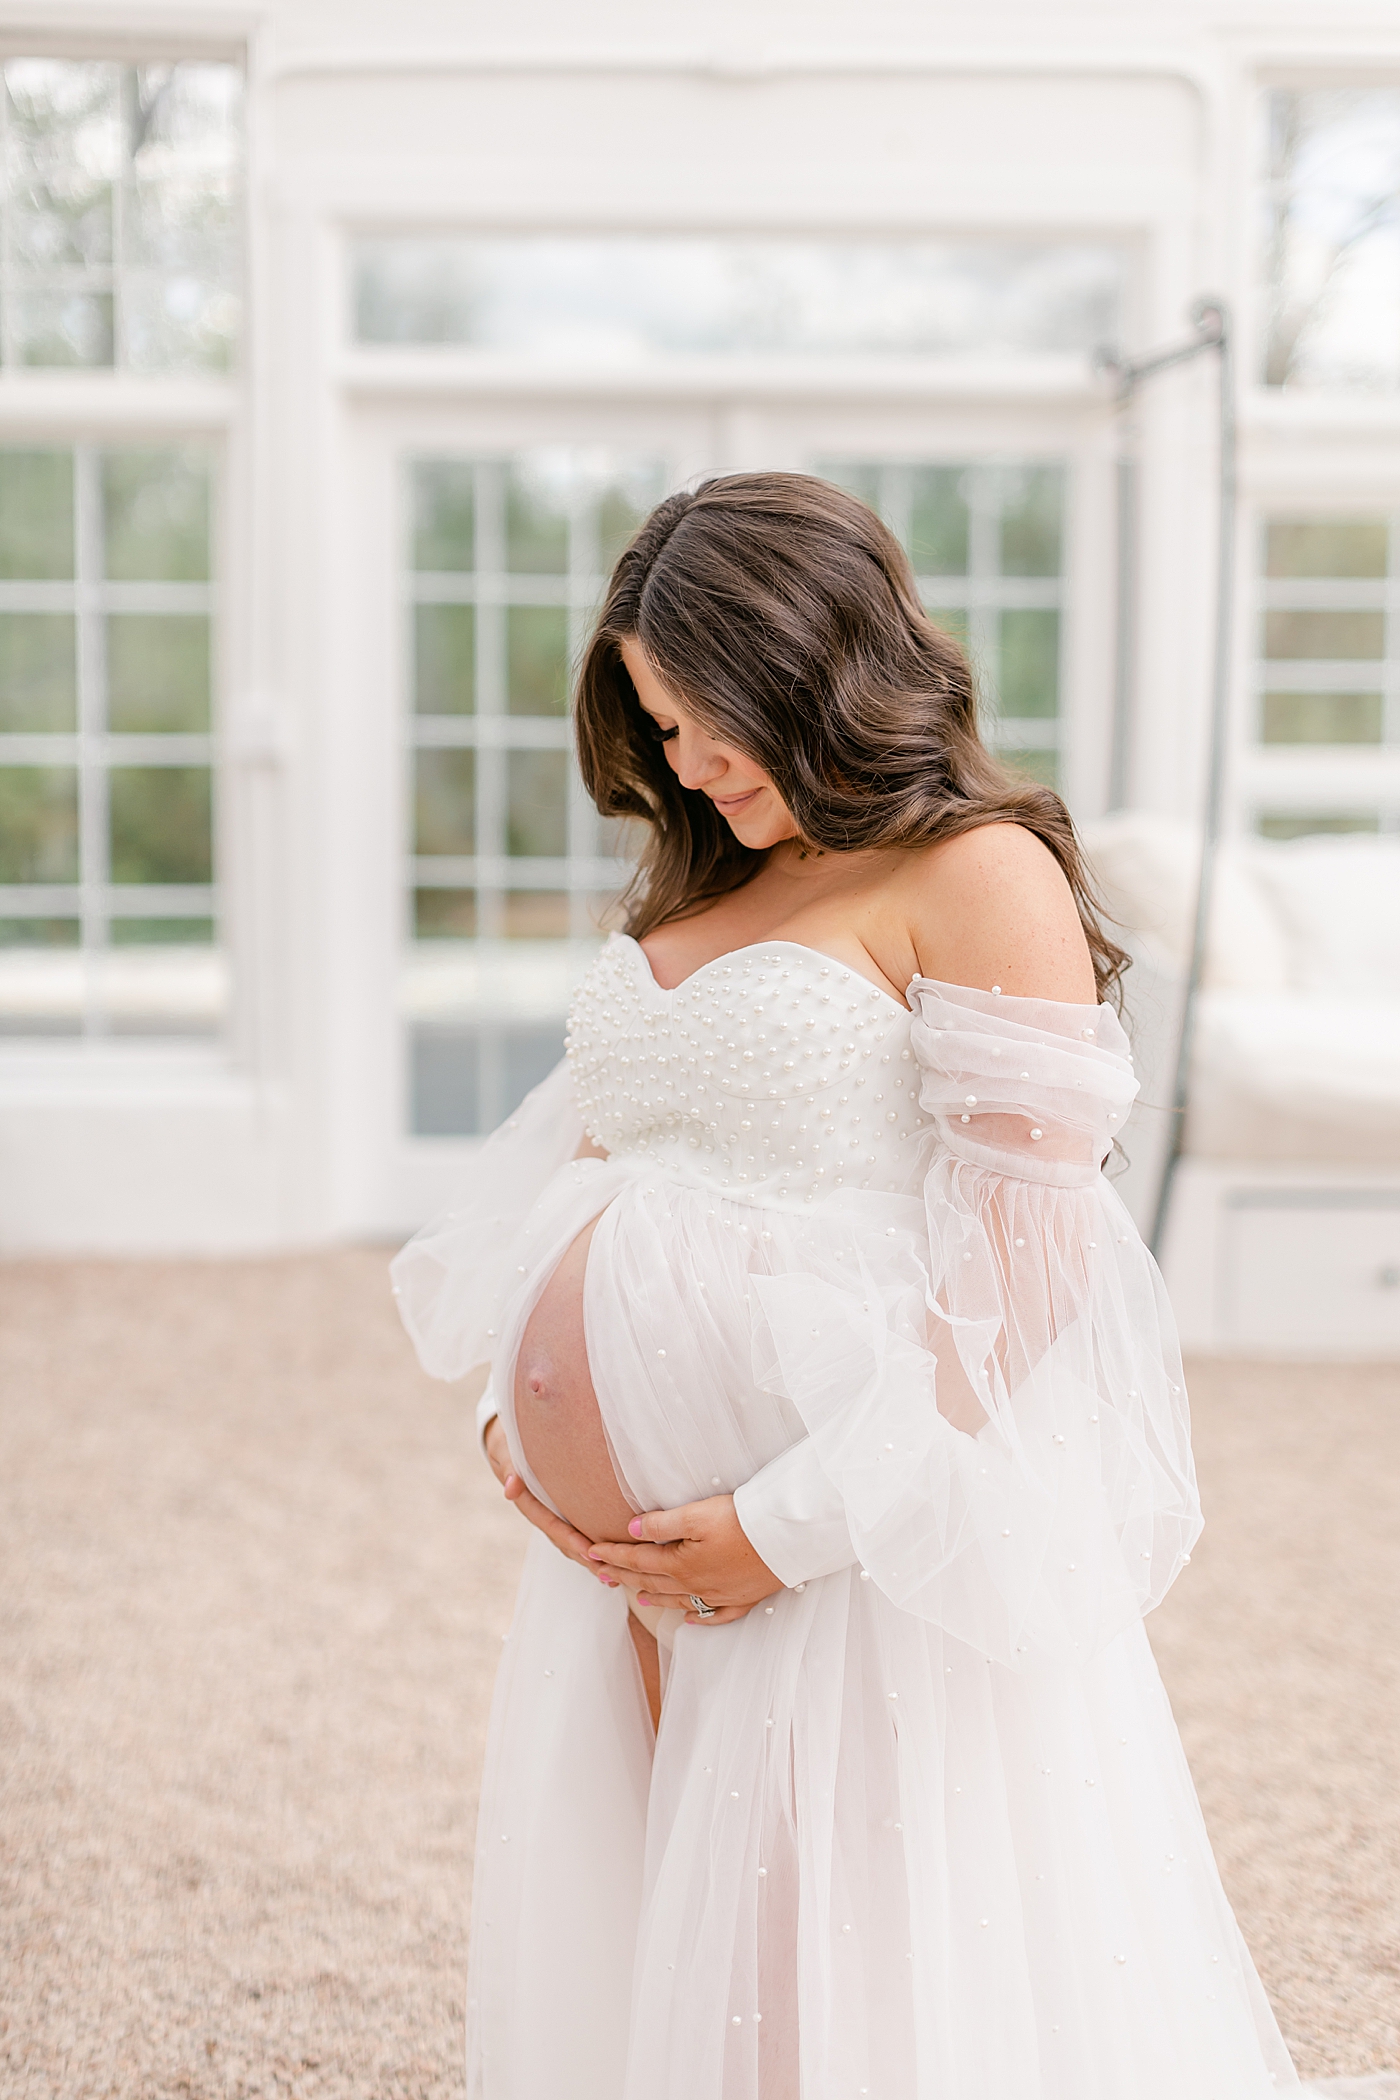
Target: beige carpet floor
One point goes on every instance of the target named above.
(253, 1580)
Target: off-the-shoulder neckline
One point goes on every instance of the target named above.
(834, 962)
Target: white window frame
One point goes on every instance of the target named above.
(91, 749)
(111, 407)
(1304, 453)
(395, 409)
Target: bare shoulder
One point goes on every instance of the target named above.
(993, 907)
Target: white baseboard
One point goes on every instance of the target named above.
(1265, 1259)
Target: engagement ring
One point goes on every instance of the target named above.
(701, 1608)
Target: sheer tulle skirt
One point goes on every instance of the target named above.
(922, 1849)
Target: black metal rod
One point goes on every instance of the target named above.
(1211, 318)
(1215, 782)
(1120, 759)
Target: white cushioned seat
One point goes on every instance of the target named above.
(1298, 1043)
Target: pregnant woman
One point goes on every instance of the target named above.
(828, 1755)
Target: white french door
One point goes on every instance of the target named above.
(473, 869)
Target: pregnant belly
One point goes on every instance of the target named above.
(660, 1288)
(556, 1409)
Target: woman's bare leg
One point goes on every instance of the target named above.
(649, 1658)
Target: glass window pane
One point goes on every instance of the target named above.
(537, 660)
(63, 328)
(537, 787)
(1043, 766)
(444, 802)
(466, 1076)
(1323, 718)
(532, 534)
(444, 515)
(444, 915)
(172, 324)
(65, 154)
(1032, 500)
(1028, 681)
(537, 526)
(444, 659)
(155, 511)
(1324, 636)
(38, 824)
(952, 619)
(39, 933)
(122, 204)
(1331, 238)
(161, 824)
(1326, 547)
(938, 521)
(181, 216)
(1296, 824)
(36, 514)
(536, 915)
(158, 671)
(621, 513)
(38, 672)
(161, 933)
(860, 477)
(444, 1080)
(624, 297)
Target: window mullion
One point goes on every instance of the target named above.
(983, 569)
(491, 762)
(94, 829)
(1390, 674)
(581, 821)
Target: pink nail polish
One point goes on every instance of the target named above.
(635, 1527)
(594, 1554)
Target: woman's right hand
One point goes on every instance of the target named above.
(572, 1544)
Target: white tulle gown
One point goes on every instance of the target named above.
(920, 1826)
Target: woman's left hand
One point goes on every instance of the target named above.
(700, 1550)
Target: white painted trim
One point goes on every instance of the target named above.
(449, 374)
(79, 404)
(73, 29)
(749, 64)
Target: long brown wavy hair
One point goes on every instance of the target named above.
(784, 614)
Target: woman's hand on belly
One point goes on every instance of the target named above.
(572, 1544)
(700, 1550)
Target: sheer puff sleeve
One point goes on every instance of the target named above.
(999, 1398)
(452, 1277)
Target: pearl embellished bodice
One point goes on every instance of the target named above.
(775, 1072)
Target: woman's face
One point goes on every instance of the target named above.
(740, 790)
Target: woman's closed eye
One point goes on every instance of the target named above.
(664, 736)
